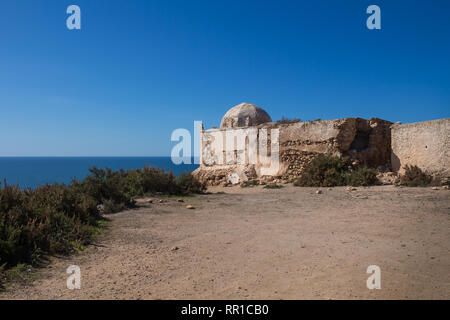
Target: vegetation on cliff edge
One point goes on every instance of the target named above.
(61, 219)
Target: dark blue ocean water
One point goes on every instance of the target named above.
(34, 171)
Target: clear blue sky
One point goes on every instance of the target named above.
(139, 69)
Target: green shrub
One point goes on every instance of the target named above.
(186, 184)
(116, 190)
(113, 189)
(272, 186)
(415, 177)
(249, 183)
(19, 273)
(362, 177)
(49, 219)
(326, 170)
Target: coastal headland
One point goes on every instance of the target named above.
(256, 243)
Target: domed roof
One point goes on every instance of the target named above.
(244, 115)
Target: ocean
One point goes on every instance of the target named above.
(33, 171)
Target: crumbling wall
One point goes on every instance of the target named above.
(423, 144)
(238, 155)
(365, 142)
(301, 141)
(371, 145)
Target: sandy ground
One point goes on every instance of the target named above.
(254, 243)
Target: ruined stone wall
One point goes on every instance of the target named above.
(365, 142)
(423, 144)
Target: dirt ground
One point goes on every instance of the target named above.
(254, 243)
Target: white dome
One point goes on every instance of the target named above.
(244, 115)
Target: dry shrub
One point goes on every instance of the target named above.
(60, 219)
(415, 177)
(326, 170)
(273, 186)
(362, 177)
(286, 120)
(249, 183)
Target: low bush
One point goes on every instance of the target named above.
(61, 219)
(116, 190)
(50, 219)
(249, 183)
(362, 177)
(285, 120)
(187, 184)
(326, 170)
(415, 177)
(272, 186)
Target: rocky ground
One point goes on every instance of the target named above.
(255, 243)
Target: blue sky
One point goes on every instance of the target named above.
(137, 70)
